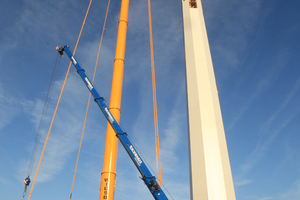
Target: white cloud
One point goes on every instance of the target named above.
(261, 86)
(266, 198)
(232, 40)
(268, 136)
(66, 130)
(284, 104)
(8, 106)
(172, 141)
(242, 182)
(292, 193)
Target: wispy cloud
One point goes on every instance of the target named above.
(292, 193)
(229, 45)
(290, 96)
(174, 134)
(66, 129)
(266, 198)
(2, 180)
(242, 182)
(8, 106)
(262, 85)
(269, 135)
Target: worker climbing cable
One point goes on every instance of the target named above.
(27, 180)
(26, 183)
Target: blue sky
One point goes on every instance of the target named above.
(255, 50)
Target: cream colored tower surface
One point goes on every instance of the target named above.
(210, 173)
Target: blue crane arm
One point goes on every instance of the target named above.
(147, 176)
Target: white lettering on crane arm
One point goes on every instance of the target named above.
(88, 83)
(73, 60)
(136, 156)
(110, 117)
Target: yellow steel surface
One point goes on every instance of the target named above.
(108, 175)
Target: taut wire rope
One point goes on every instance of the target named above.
(88, 104)
(41, 123)
(42, 120)
(154, 98)
(62, 89)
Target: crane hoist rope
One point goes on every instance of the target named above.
(58, 101)
(40, 127)
(88, 104)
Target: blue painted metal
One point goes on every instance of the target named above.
(147, 176)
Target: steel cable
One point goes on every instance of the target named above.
(62, 89)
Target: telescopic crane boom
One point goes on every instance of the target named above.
(147, 177)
